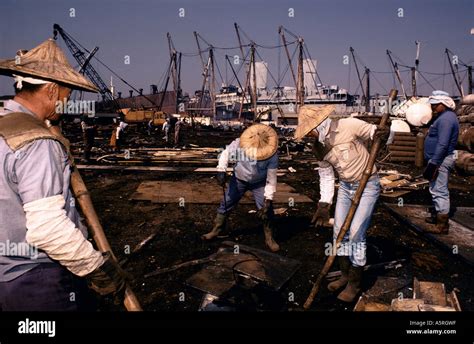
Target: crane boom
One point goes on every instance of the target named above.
(86, 67)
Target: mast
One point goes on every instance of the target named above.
(358, 73)
(367, 90)
(469, 78)
(417, 65)
(397, 74)
(233, 72)
(240, 42)
(282, 34)
(461, 92)
(199, 49)
(173, 57)
(300, 88)
(254, 79)
(179, 90)
(212, 88)
(413, 81)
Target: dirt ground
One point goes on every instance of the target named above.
(179, 229)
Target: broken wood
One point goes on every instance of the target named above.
(432, 293)
(406, 305)
(183, 265)
(138, 247)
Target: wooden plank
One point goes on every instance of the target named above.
(394, 194)
(406, 305)
(106, 168)
(401, 148)
(402, 159)
(453, 301)
(433, 293)
(401, 153)
(435, 308)
(459, 241)
(204, 192)
(404, 143)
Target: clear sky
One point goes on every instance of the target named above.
(137, 28)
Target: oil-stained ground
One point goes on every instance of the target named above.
(178, 229)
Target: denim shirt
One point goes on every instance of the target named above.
(246, 169)
(442, 137)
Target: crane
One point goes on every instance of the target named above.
(86, 67)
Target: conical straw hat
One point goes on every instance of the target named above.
(259, 141)
(309, 117)
(46, 62)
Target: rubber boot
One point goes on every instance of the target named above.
(353, 286)
(344, 265)
(269, 241)
(432, 218)
(442, 225)
(219, 224)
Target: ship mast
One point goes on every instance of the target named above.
(456, 80)
(285, 45)
(300, 89)
(397, 73)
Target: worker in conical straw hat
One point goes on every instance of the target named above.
(50, 258)
(256, 163)
(339, 145)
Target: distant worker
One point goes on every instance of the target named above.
(150, 127)
(166, 130)
(117, 139)
(440, 145)
(48, 259)
(256, 157)
(89, 129)
(339, 145)
(177, 131)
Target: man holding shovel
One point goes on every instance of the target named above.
(339, 145)
(45, 257)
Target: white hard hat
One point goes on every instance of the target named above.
(419, 114)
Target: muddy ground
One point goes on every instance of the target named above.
(179, 229)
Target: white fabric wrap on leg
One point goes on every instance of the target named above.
(271, 184)
(326, 182)
(49, 229)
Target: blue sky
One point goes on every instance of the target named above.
(138, 29)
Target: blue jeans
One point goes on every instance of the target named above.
(439, 188)
(353, 243)
(236, 190)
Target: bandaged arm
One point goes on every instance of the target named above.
(49, 229)
(38, 173)
(326, 182)
(270, 186)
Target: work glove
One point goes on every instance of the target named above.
(321, 216)
(109, 278)
(221, 177)
(382, 133)
(266, 212)
(431, 172)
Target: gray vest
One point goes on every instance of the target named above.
(20, 133)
